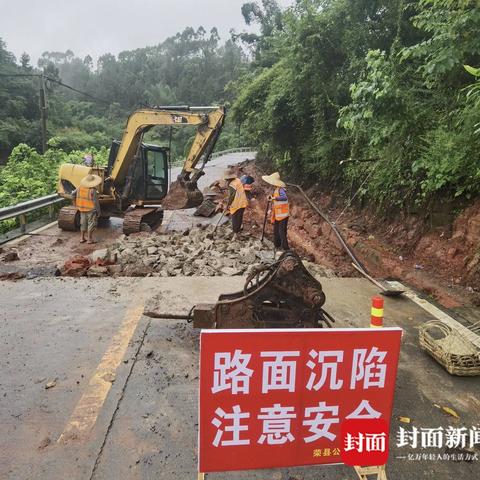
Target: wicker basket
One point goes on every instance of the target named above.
(456, 348)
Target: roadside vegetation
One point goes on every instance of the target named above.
(378, 84)
(28, 175)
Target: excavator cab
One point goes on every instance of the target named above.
(135, 183)
(148, 178)
(156, 172)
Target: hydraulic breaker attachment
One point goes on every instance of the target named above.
(281, 295)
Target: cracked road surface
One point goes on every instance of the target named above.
(123, 403)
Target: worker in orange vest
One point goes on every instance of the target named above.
(237, 200)
(280, 210)
(86, 200)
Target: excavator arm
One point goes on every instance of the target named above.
(184, 192)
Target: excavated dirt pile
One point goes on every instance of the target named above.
(199, 252)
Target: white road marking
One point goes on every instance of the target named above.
(437, 313)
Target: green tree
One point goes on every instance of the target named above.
(379, 83)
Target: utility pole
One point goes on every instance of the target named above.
(43, 113)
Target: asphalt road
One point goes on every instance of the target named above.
(214, 170)
(124, 400)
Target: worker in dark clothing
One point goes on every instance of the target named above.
(280, 210)
(237, 200)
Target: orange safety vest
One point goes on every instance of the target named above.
(280, 209)
(84, 199)
(240, 200)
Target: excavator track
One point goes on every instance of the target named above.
(142, 219)
(69, 218)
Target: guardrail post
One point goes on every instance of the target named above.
(23, 209)
(23, 223)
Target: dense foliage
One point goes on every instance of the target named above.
(379, 83)
(379, 95)
(29, 175)
(191, 68)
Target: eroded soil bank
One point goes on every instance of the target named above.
(442, 261)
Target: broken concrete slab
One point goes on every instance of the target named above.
(97, 271)
(198, 251)
(102, 254)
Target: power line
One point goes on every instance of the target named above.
(79, 91)
(54, 80)
(42, 98)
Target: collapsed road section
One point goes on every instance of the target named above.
(101, 363)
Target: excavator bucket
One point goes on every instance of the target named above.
(182, 194)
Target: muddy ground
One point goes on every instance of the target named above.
(442, 261)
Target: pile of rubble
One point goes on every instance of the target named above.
(199, 252)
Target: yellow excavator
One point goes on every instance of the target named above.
(135, 183)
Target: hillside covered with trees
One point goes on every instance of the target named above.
(379, 85)
(192, 68)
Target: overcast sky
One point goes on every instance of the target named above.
(98, 26)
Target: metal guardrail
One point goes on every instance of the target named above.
(21, 209)
(232, 150)
(179, 163)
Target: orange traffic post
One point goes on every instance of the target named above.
(376, 318)
(376, 321)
